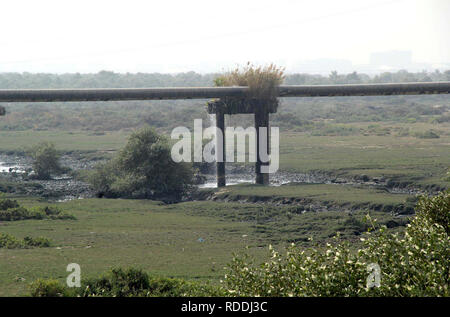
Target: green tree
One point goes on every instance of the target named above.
(143, 169)
(45, 160)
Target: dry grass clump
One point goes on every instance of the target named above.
(262, 80)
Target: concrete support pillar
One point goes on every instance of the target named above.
(220, 123)
(261, 120)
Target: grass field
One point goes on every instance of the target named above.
(66, 141)
(109, 233)
(192, 240)
(423, 161)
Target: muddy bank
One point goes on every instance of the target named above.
(303, 205)
(61, 189)
(16, 177)
(245, 174)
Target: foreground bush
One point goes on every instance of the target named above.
(415, 263)
(125, 283)
(135, 282)
(436, 209)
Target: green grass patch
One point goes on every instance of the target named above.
(191, 240)
(65, 141)
(411, 160)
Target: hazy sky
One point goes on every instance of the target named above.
(173, 36)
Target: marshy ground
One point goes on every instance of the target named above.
(335, 182)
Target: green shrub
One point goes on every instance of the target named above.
(8, 203)
(51, 212)
(135, 282)
(47, 288)
(414, 263)
(37, 242)
(19, 213)
(46, 160)
(143, 169)
(11, 211)
(10, 242)
(126, 283)
(436, 209)
(118, 282)
(427, 135)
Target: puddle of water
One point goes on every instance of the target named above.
(213, 184)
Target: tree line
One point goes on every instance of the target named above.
(293, 114)
(109, 79)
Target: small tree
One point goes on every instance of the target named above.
(45, 160)
(143, 169)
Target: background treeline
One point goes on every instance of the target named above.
(300, 114)
(108, 79)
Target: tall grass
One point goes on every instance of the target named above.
(261, 80)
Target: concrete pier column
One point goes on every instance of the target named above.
(220, 148)
(261, 120)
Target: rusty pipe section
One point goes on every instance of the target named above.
(107, 94)
(365, 89)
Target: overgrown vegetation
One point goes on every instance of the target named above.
(143, 169)
(262, 83)
(10, 210)
(413, 263)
